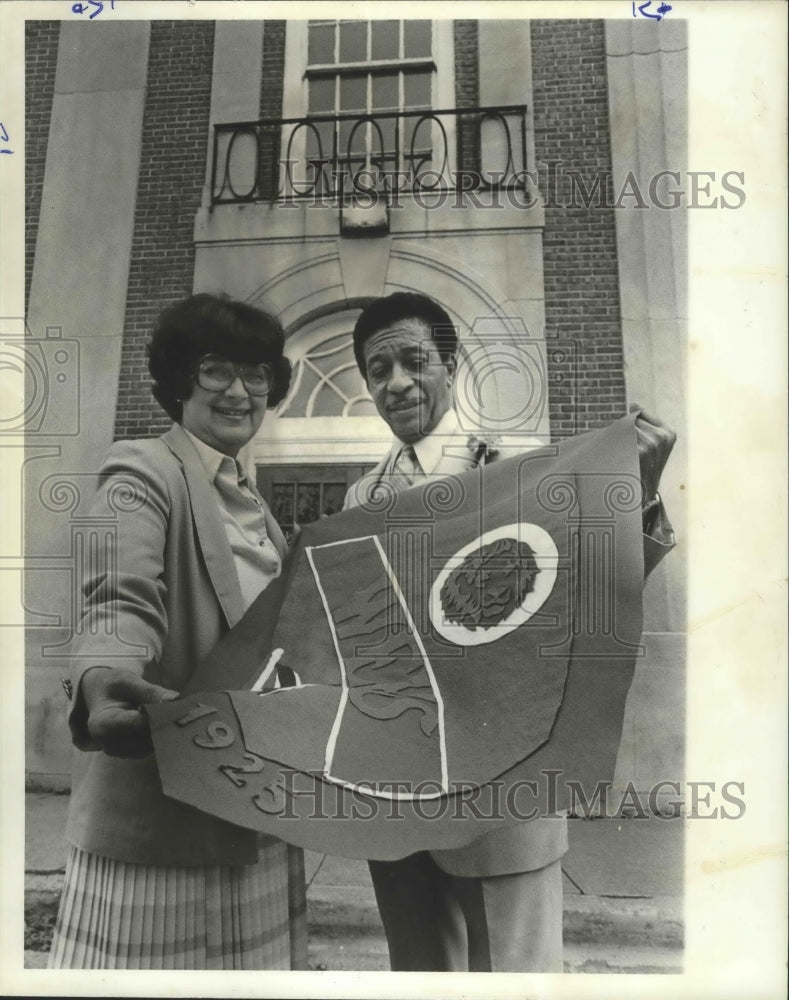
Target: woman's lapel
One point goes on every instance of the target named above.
(210, 530)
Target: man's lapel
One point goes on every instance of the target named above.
(461, 453)
(359, 493)
(210, 530)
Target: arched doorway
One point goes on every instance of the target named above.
(326, 433)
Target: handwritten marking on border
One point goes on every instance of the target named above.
(81, 8)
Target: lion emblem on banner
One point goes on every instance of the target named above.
(494, 584)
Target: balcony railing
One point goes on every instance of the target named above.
(336, 159)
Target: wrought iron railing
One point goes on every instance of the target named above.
(346, 157)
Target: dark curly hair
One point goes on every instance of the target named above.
(404, 305)
(212, 324)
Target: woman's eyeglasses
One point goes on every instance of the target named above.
(215, 374)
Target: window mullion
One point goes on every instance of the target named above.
(368, 96)
(336, 130)
(335, 153)
(400, 122)
(369, 127)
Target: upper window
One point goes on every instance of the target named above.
(391, 72)
(368, 67)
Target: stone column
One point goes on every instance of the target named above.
(647, 85)
(235, 95)
(505, 78)
(75, 328)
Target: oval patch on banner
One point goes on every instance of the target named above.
(494, 584)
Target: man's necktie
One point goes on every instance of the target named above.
(406, 469)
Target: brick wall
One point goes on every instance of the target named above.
(41, 56)
(172, 175)
(272, 81)
(466, 38)
(272, 78)
(466, 64)
(581, 279)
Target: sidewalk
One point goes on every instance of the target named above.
(622, 896)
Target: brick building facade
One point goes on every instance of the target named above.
(585, 390)
(41, 56)
(543, 274)
(169, 191)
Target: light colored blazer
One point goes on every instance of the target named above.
(176, 593)
(535, 843)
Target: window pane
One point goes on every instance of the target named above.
(320, 142)
(417, 38)
(386, 39)
(353, 93)
(349, 382)
(416, 87)
(383, 155)
(321, 43)
(418, 147)
(321, 99)
(353, 139)
(333, 498)
(308, 502)
(298, 405)
(385, 92)
(353, 41)
(282, 503)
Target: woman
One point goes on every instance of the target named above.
(151, 883)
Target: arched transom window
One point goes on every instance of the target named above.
(326, 381)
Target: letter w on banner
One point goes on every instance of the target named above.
(461, 638)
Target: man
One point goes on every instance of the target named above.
(495, 905)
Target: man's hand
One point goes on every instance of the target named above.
(112, 698)
(655, 442)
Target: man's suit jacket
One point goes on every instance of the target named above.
(524, 846)
(175, 594)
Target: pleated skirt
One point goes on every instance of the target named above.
(118, 915)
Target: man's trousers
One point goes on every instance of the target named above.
(437, 922)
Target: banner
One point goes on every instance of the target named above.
(460, 653)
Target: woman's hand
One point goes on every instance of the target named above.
(113, 697)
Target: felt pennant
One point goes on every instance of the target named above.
(460, 652)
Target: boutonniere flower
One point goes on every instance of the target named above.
(482, 446)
